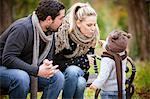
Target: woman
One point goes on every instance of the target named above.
(75, 39)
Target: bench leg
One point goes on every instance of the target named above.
(97, 93)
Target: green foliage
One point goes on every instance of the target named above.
(24, 8)
(104, 21)
(86, 1)
(67, 3)
(142, 80)
(102, 24)
(134, 51)
(122, 23)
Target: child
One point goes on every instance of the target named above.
(111, 79)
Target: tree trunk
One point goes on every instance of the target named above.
(6, 14)
(139, 27)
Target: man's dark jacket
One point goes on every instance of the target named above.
(16, 46)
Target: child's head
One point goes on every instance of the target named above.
(117, 41)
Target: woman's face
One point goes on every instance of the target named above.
(87, 26)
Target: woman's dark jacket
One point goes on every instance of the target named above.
(81, 61)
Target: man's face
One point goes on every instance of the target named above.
(57, 21)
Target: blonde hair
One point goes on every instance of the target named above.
(78, 12)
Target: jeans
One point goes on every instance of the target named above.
(17, 82)
(111, 94)
(75, 83)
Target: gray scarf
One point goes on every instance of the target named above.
(38, 33)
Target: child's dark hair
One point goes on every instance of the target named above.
(48, 8)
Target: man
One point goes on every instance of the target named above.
(26, 49)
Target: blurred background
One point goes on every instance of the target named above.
(132, 16)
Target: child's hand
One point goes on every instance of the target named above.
(93, 87)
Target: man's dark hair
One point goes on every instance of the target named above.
(48, 8)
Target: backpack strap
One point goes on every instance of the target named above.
(118, 63)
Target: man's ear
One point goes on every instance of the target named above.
(49, 19)
(78, 23)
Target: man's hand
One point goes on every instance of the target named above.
(47, 69)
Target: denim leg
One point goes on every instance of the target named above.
(111, 95)
(51, 87)
(16, 81)
(79, 93)
(71, 86)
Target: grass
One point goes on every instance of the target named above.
(142, 80)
